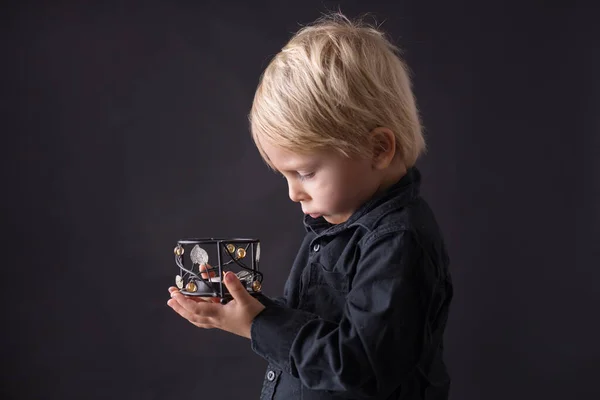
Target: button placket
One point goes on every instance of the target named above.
(269, 383)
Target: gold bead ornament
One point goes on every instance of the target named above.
(241, 253)
(191, 286)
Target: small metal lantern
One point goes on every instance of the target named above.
(205, 279)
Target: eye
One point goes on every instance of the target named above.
(304, 177)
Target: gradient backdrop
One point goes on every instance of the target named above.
(125, 129)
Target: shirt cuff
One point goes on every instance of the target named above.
(269, 301)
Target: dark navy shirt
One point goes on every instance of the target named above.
(364, 307)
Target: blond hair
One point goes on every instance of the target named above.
(334, 82)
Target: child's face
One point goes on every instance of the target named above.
(325, 183)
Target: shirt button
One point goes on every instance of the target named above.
(270, 375)
(316, 247)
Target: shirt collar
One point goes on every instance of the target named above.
(401, 192)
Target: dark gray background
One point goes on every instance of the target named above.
(125, 129)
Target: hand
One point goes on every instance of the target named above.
(236, 316)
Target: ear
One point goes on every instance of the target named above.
(383, 142)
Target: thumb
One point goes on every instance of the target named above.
(235, 287)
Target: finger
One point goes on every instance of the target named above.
(173, 290)
(196, 307)
(235, 287)
(211, 271)
(203, 299)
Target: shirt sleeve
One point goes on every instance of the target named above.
(379, 338)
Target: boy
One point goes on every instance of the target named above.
(366, 302)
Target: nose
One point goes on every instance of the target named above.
(295, 192)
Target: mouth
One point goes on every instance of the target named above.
(315, 216)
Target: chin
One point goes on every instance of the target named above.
(336, 219)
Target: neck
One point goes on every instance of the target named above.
(392, 174)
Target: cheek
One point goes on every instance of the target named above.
(332, 195)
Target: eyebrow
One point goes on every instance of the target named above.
(300, 167)
(304, 165)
